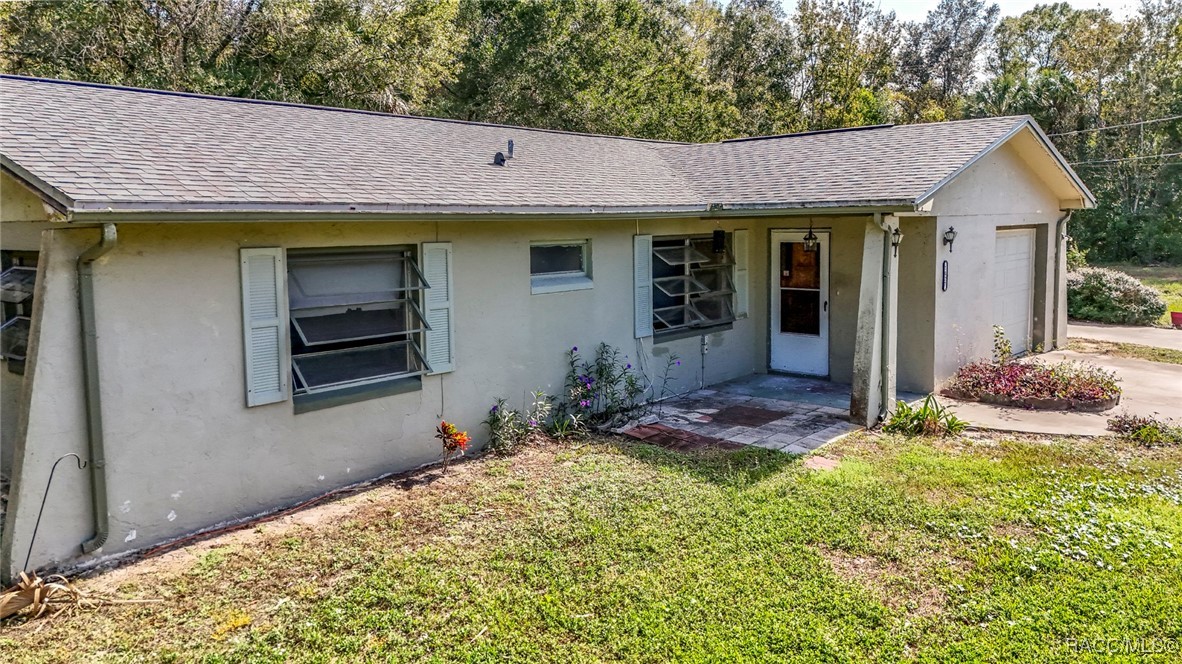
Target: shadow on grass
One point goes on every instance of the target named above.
(730, 468)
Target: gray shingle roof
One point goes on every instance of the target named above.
(100, 147)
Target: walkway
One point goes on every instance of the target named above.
(786, 413)
(1159, 337)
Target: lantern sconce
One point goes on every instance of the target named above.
(810, 240)
(950, 237)
(896, 239)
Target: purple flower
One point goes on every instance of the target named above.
(493, 409)
(574, 349)
(533, 423)
(627, 366)
(679, 363)
(584, 403)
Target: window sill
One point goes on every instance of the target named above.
(545, 284)
(687, 332)
(306, 403)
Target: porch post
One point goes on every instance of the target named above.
(873, 389)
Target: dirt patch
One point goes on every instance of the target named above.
(900, 587)
(821, 463)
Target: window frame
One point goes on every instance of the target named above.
(18, 313)
(560, 282)
(696, 322)
(408, 296)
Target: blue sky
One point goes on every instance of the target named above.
(917, 10)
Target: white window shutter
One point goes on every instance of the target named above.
(742, 280)
(438, 308)
(264, 316)
(642, 269)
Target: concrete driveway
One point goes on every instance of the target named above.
(1148, 388)
(1126, 334)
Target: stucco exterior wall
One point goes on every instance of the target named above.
(999, 191)
(917, 304)
(185, 453)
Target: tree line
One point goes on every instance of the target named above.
(1109, 91)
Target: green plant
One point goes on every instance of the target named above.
(1147, 429)
(509, 428)
(506, 427)
(602, 390)
(1003, 351)
(1076, 258)
(1108, 296)
(927, 419)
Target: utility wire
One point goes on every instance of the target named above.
(1119, 126)
(1144, 156)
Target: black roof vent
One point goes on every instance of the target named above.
(499, 159)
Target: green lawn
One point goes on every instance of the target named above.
(977, 549)
(1165, 278)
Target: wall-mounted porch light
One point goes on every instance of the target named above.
(950, 237)
(810, 240)
(896, 238)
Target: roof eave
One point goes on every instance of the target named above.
(131, 212)
(51, 195)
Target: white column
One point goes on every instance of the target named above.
(874, 378)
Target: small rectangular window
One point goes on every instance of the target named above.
(693, 285)
(355, 317)
(560, 266)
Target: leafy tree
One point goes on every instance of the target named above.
(938, 60)
(624, 67)
(373, 54)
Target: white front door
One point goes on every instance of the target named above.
(1013, 286)
(800, 304)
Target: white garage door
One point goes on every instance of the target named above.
(1013, 286)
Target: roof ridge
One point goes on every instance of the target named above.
(811, 132)
(318, 107)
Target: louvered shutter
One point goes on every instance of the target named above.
(264, 316)
(642, 270)
(439, 346)
(742, 281)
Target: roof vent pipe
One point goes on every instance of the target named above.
(510, 155)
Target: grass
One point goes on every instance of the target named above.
(1167, 279)
(963, 549)
(1134, 351)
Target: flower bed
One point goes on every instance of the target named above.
(1036, 385)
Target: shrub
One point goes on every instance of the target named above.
(1108, 296)
(602, 390)
(927, 419)
(1147, 430)
(1076, 258)
(509, 429)
(1078, 381)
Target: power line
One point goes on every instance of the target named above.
(1119, 126)
(1144, 156)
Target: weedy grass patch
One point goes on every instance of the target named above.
(962, 548)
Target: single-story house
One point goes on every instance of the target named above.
(227, 306)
